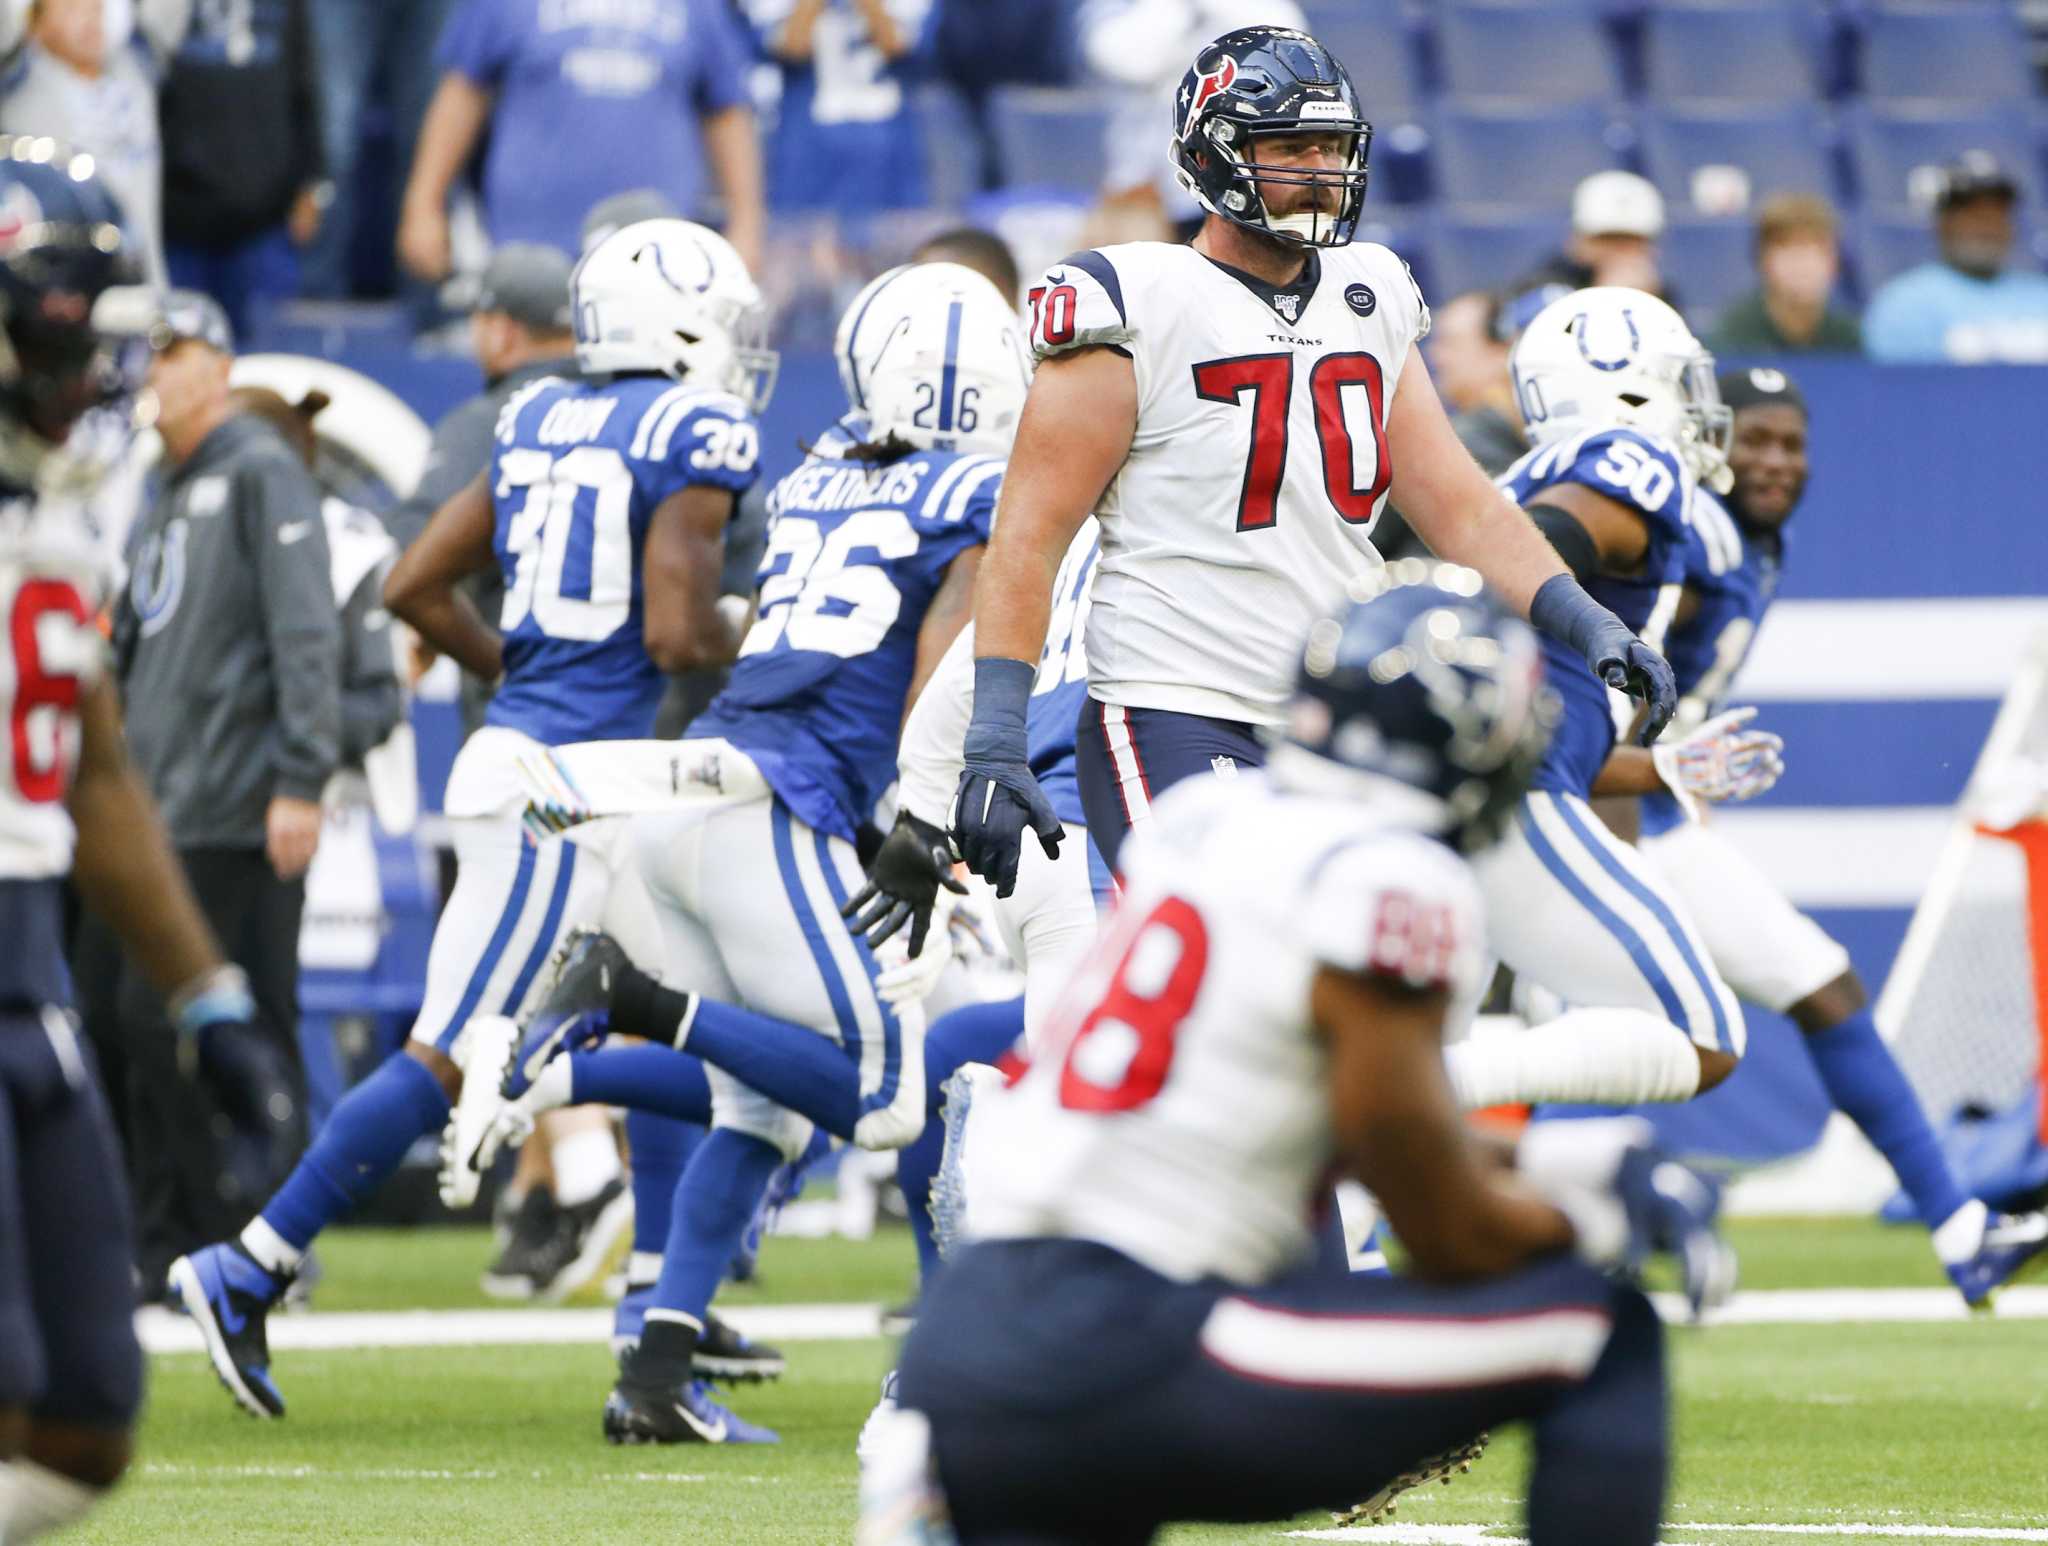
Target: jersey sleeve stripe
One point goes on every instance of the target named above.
(643, 436)
(965, 490)
(1103, 272)
(685, 404)
(935, 501)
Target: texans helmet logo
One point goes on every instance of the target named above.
(1218, 79)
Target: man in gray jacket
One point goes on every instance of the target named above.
(228, 648)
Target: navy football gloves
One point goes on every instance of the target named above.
(1562, 609)
(998, 796)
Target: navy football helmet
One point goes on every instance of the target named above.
(1424, 686)
(1268, 80)
(73, 320)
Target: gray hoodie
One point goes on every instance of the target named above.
(228, 641)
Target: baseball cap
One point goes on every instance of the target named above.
(529, 283)
(1759, 386)
(624, 209)
(1972, 175)
(194, 314)
(1617, 204)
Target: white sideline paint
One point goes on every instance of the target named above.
(165, 1331)
(1481, 1535)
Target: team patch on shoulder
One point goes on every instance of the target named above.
(1361, 299)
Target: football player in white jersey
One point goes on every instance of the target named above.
(1235, 413)
(72, 805)
(1136, 1335)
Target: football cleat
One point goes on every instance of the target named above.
(227, 1292)
(586, 1237)
(1455, 1461)
(529, 1240)
(901, 1502)
(577, 983)
(2015, 1245)
(686, 1414)
(482, 1051)
(723, 1354)
(874, 1431)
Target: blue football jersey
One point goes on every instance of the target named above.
(1644, 473)
(1732, 579)
(577, 471)
(1061, 690)
(856, 552)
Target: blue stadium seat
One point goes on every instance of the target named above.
(1896, 148)
(1709, 263)
(1049, 138)
(1882, 248)
(1527, 50)
(1778, 150)
(1518, 156)
(1730, 51)
(1946, 50)
(1378, 47)
(1481, 250)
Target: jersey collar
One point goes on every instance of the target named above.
(1288, 302)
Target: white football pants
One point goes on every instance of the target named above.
(1048, 923)
(1574, 909)
(1770, 952)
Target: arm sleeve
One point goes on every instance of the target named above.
(1079, 302)
(478, 42)
(928, 766)
(1400, 908)
(461, 449)
(280, 509)
(372, 702)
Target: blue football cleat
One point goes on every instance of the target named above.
(686, 1414)
(575, 999)
(2015, 1245)
(228, 1293)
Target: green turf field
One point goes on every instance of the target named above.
(1902, 1427)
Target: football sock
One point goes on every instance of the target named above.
(585, 1164)
(1865, 1082)
(1609, 1057)
(793, 1065)
(641, 1078)
(1602, 1448)
(974, 1033)
(361, 1143)
(36, 1501)
(713, 1205)
(660, 1147)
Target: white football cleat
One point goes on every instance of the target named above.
(469, 1142)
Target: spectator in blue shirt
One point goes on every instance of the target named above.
(1969, 307)
(582, 99)
(846, 136)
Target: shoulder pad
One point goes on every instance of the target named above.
(965, 488)
(1395, 904)
(1079, 302)
(1627, 465)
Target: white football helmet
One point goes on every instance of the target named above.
(673, 297)
(943, 367)
(1606, 356)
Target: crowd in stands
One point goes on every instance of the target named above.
(1795, 174)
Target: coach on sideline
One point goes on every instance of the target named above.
(227, 646)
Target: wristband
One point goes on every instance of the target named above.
(1562, 609)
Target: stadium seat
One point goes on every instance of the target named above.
(1730, 51)
(1527, 50)
(1946, 50)
(1378, 47)
(1896, 149)
(1483, 250)
(1709, 263)
(1883, 248)
(1775, 149)
(1521, 157)
(1050, 138)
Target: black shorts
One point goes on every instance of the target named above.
(1076, 1396)
(1126, 758)
(67, 1288)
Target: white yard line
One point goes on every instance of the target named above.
(163, 1331)
(1482, 1535)
(297, 1473)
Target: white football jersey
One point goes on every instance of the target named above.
(52, 584)
(1178, 1107)
(1257, 470)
